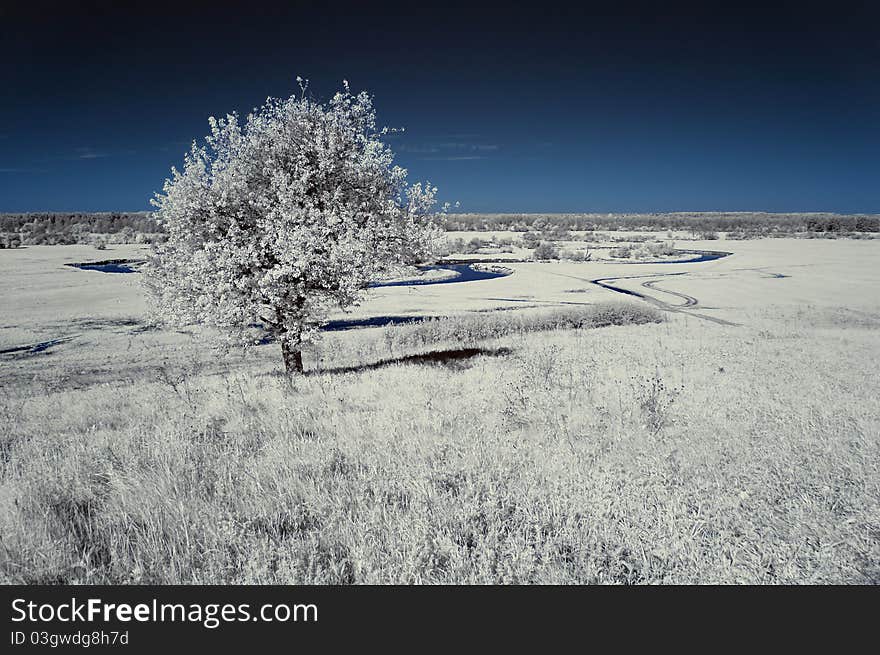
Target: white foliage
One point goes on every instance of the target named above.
(284, 216)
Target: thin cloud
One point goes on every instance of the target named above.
(79, 154)
(89, 153)
(450, 150)
(418, 149)
(461, 136)
(474, 147)
(454, 158)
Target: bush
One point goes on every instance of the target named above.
(661, 249)
(545, 251)
(474, 245)
(9, 241)
(469, 329)
(575, 255)
(530, 240)
(556, 233)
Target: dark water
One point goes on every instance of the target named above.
(466, 273)
(704, 256)
(373, 321)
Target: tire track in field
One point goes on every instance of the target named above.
(650, 280)
(689, 301)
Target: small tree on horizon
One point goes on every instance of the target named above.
(283, 217)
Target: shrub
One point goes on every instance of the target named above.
(575, 255)
(655, 400)
(545, 251)
(474, 245)
(661, 249)
(9, 241)
(469, 329)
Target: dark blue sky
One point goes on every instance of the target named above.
(658, 107)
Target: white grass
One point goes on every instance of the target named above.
(679, 452)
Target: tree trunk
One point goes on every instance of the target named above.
(292, 354)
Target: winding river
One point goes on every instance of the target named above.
(463, 273)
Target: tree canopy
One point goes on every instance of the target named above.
(283, 216)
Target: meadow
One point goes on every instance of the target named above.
(722, 427)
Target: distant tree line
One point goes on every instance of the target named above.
(59, 228)
(62, 228)
(758, 223)
(838, 223)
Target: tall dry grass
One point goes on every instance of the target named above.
(536, 458)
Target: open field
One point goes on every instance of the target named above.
(738, 440)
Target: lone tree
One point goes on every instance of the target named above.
(283, 217)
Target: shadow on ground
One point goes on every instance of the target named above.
(458, 359)
(136, 326)
(34, 348)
